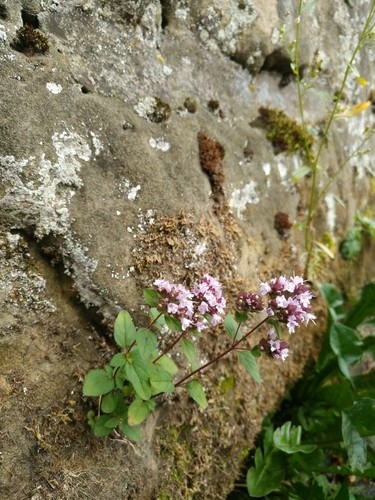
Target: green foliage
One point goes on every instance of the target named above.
(196, 392)
(284, 133)
(329, 417)
(248, 361)
(351, 246)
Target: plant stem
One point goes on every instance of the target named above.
(221, 355)
(168, 348)
(235, 335)
(313, 162)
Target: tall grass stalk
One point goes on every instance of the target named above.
(366, 36)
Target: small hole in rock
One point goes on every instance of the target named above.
(3, 11)
(29, 19)
(85, 90)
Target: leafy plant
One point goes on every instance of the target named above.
(312, 155)
(325, 447)
(129, 385)
(351, 246)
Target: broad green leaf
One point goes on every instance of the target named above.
(362, 415)
(151, 297)
(343, 493)
(138, 374)
(118, 360)
(109, 402)
(351, 246)
(159, 323)
(173, 323)
(97, 383)
(113, 422)
(124, 329)
(267, 474)
(288, 438)
(146, 342)
(346, 345)
(335, 301)
(99, 426)
(299, 173)
(249, 362)
(167, 364)
(231, 327)
(365, 384)
(160, 380)
(132, 433)
(312, 491)
(137, 412)
(354, 443)
(196, 392)
(365, 308)
(188, 349)
(338, 395)
(240, 317)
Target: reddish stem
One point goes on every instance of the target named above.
(170, 346)
(224, 353)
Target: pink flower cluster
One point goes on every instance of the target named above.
(289, 301)
(197, 308)
(274, 347)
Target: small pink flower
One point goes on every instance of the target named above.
(274, 347)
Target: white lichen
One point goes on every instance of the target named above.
(244, 196)
(54, 88)
(159, 143)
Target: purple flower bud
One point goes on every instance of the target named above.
(249, 302)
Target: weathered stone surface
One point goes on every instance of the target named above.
(103, 176)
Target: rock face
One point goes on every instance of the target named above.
(129, 150)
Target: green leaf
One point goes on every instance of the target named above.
(173, 323)
(118, 360)
(231, 327)
(196, 392)
(161, 380)
(335, 301)
(113, 422)
(132, 433)
(167, 364)
(109, 402)
(249, 362)
(354, 443)
(159, 323)
(362, 414)
(365, 308)
(288, 438)
(146, 342)
(299, 173)
(125, 330)
(151, 297)
(351, 246)
(267, 474)
(99, 426)
(276, 324)
(137, 412)
(138, 374)
(98, 382)
(189, 351)
(346, 345)
(240, 317)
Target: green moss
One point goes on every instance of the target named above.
(283, 132)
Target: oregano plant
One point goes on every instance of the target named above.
(129, 385)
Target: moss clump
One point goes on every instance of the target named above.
(30, 41)
(161, 111)
(283, 132)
